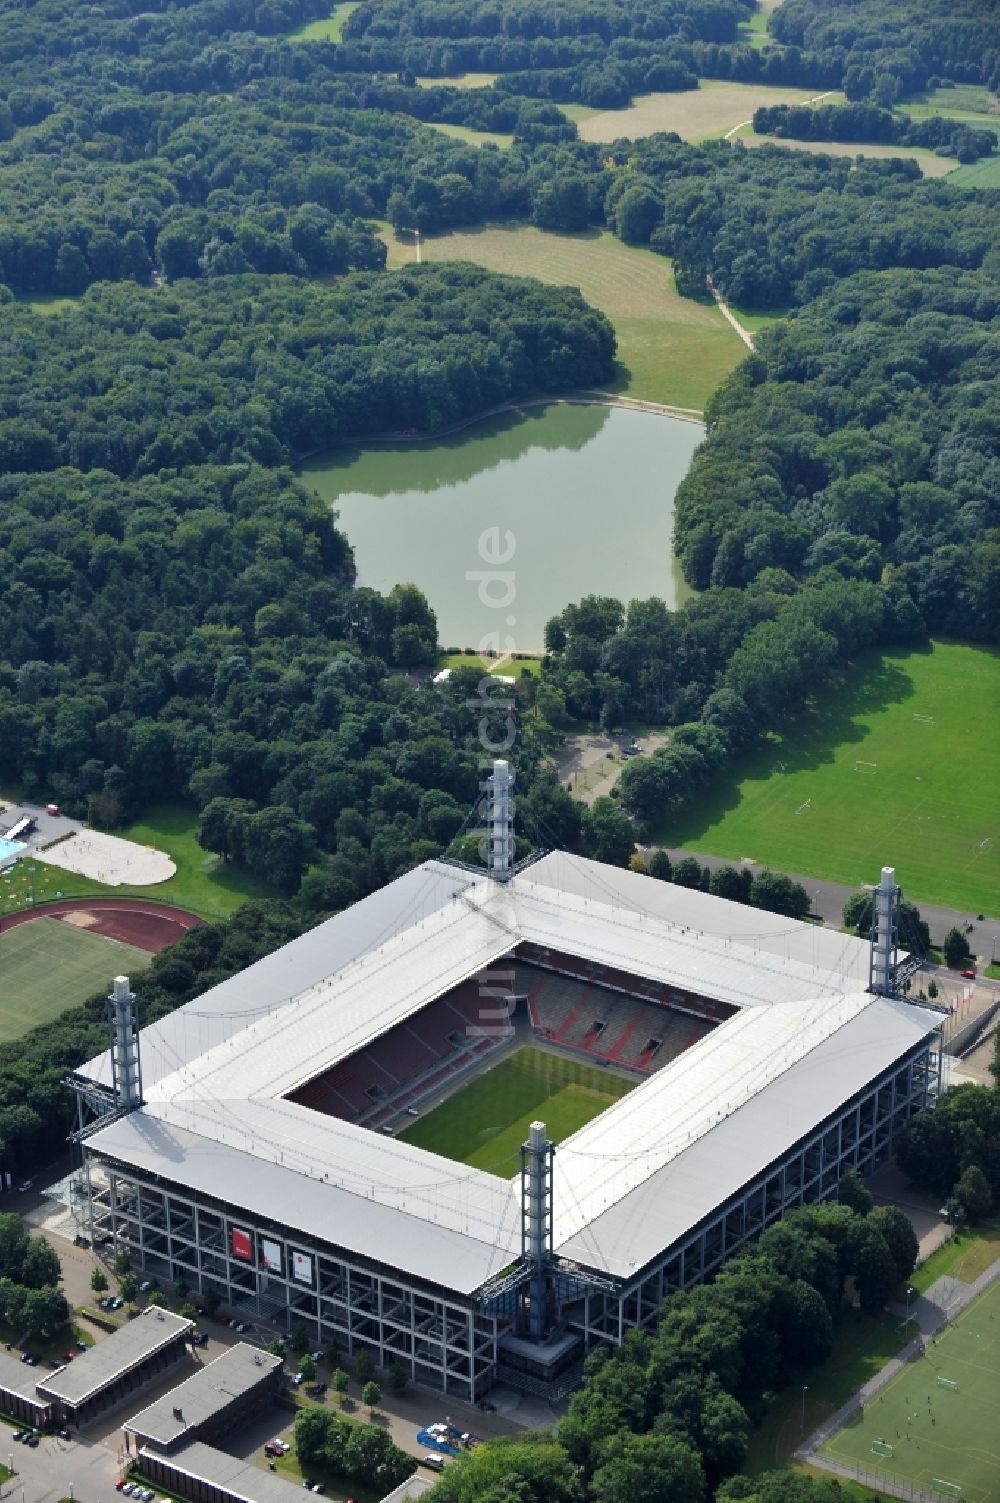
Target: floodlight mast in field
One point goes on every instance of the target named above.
(500, 820)
(537, 1156)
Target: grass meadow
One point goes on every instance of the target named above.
(486, 1123)
(937, 1434)
(713, 109)
(671, 349)
(471, 137)
(898, 765)
(48, 966)
(931, 165)
(329, 28)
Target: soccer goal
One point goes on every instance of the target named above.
(948, 1383)
(925, 719)
(867, 767)
(948, 1489)
(882, 1448)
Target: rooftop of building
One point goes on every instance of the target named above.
(806, 1036)
(249, 1483)
(18, 1378)
(206, 1393)
(114, 1356)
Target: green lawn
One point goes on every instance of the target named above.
(485, 1124)
(671, 349)
(329, 29)
(203, 883)
(938, 1434)
(964, 1256)
(716, 108)
(982, 174)
(862, 1345)
(896, 765)
(48, 965)
(49, 303)
(510, 667)
(471, 137)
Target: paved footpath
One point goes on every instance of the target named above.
(944, 1300)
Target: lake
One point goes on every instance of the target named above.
(505, 523)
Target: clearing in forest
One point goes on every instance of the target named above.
(897, 765)
(672, 350)
(329, 29)
(713, 109)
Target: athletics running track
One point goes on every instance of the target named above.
(133, 921)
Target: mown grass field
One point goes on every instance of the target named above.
(671, 350)
(897, 765)
(981, 174)
(329, 28)
(460, 81)
(471, 137)
(931, 165)
(713, 109)
(937, 1434)
(48, 965)
(485, 1124)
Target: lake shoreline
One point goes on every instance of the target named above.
(594, 398)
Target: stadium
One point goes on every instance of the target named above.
(713, 1066)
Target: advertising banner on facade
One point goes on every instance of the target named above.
(302, 1268)
(242, 1245)
(270, 1255)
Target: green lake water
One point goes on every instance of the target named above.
(551, 502)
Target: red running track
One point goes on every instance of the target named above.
(147, 926)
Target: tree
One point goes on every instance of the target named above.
(307, 1368)
(277, 1347)
(873, 1266)
(973, 1193)
(311, 1431)
(779, 894)
(397, 1377)
(955, 949)
(608, 833)
(364, 1367)
(688, 873)
(158, 1299)
(647, 1469)
(340, 1383)
(40, 1267)
(660, 866)
(535, 1470)
(128, 1287)
(298, 1341)
(900, 1238)
(45, 1311)
(371, 1458)
(853, 1192)
(371, 1394)
(98, 1281)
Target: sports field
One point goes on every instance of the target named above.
(672, 350)
(48, 966)
(485, 1124)
(713, 109)
(898, 765)
(922, 1430)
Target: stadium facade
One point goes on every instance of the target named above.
(256, 1152)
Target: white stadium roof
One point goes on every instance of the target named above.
(806, 1037)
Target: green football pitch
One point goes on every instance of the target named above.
(47, 966)
(897, 765)
(922, 1430)
(485, 1124)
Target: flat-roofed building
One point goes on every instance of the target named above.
(238, 1385)
(205, 1475)
(115, 1368)
(19, 1395)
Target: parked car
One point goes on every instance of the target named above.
(116, 1303)
(316, 1390)
(31, 1440)
(200, 1338)
(18, 1435)
(316, 1356)
(296, 1379)
(271, 1448)
(436, 1463)
(81, 1346)
(145, 1286)
(281, 1446)
(968, 973)
(54, 1363)
(64, 1434)
(69, 1356)
(25, 1185)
